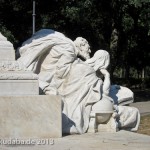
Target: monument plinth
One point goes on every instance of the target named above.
(36, 116)
(7, 51)
(24, 113)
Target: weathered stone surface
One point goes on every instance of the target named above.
(19, 87)
(30, 117)
(18, 83)
(7, 51)
(11, 66)
(122, 140)
(18, 75)
(7, 54)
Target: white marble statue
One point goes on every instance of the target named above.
(50, 55)
(53, 57)
(82, 89)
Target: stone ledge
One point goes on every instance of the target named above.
(19, 87)
(18, 75)
(25, 117)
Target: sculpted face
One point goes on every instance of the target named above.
(83, 47)
(100, 60)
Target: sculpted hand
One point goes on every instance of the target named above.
(104, 72)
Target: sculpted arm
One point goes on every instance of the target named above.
(100, 61)
(106, 83)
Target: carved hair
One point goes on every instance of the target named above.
(82, 48)
(79, 41)
(100, 60)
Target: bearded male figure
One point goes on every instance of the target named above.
(50, 54)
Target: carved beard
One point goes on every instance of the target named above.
(83, 55)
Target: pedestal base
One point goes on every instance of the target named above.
(26, 117)
(110, 126)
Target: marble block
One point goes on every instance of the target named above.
(7, 51)
(25, 117)
(6, 54)
(18, 83)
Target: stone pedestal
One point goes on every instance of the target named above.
(109, 126)
(25, 117)
(24, 114)
(103, 116)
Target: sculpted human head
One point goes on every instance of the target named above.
(82, 47)
(100, 60)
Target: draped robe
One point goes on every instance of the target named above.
(53, 57)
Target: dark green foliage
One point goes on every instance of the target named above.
(120, 26)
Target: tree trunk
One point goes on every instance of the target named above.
(143, 73)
